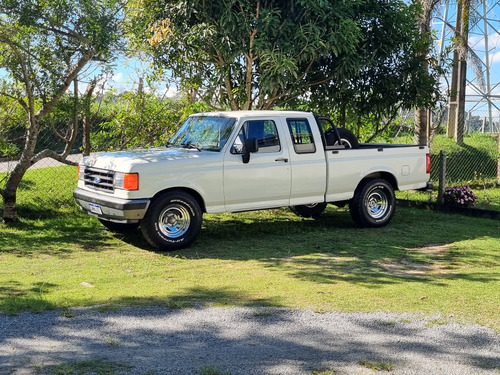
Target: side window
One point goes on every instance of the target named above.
(302, 139)
(264, 130)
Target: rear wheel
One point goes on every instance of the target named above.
(309, 210)
(173, 221)
(373, 203)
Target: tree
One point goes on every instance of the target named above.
(387, 72)
(45, 45)
(355, 56)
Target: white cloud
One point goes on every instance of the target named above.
(117, 78)
(495, 57)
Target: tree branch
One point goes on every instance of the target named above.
(28, 107)
(54, 155)
(47, 108)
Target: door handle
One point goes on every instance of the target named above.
(282, 159)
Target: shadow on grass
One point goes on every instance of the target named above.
(58, 235)
(14, 297)
(197, 297)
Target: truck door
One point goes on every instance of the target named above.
(265, 181)
(307, 162)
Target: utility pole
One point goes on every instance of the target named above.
(450, 130)
(456, 120)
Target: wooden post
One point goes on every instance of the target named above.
(442, 176)
(498, 156)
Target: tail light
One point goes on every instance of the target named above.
(428, 163)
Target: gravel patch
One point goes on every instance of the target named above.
(157, 340)
(8, 166)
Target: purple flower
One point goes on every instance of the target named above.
(461, 196)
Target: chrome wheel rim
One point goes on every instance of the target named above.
(174, 221)
(377, 204)
(312, 205)
(344, 142)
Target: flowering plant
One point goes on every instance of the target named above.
(461, 196)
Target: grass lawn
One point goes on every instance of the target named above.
(423, 262)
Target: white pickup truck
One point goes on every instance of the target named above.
(246, 160)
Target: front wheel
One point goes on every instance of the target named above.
(173, 221)
(373, 203)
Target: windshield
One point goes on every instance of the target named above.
(204, 133)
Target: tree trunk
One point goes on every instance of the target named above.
(452, 112)
(9, 203)
(342, 116)
(9, 192)
(460, 113)
(86, 122)
(421, 127)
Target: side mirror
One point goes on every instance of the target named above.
(250, 146)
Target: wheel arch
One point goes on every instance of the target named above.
(197, 196)
(387, 176)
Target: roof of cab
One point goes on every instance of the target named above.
(253, 113)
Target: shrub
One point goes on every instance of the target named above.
(461, 196)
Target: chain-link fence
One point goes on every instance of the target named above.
(473, 164)
(48, 184)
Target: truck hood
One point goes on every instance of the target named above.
(131, 160)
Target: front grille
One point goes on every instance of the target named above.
(99, 179)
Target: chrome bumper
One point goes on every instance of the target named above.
(111, 208)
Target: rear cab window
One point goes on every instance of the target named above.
(301, 134)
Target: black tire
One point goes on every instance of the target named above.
(173, 221)
(309, 210)
(347, 138)
(119, 227)
(373, 203)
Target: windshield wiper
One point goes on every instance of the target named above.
(191, 145)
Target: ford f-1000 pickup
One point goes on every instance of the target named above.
(246, 160)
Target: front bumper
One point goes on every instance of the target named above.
(111, 208)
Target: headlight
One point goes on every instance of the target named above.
(126, 181)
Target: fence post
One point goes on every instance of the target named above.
(498, 155)
(442, 176)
